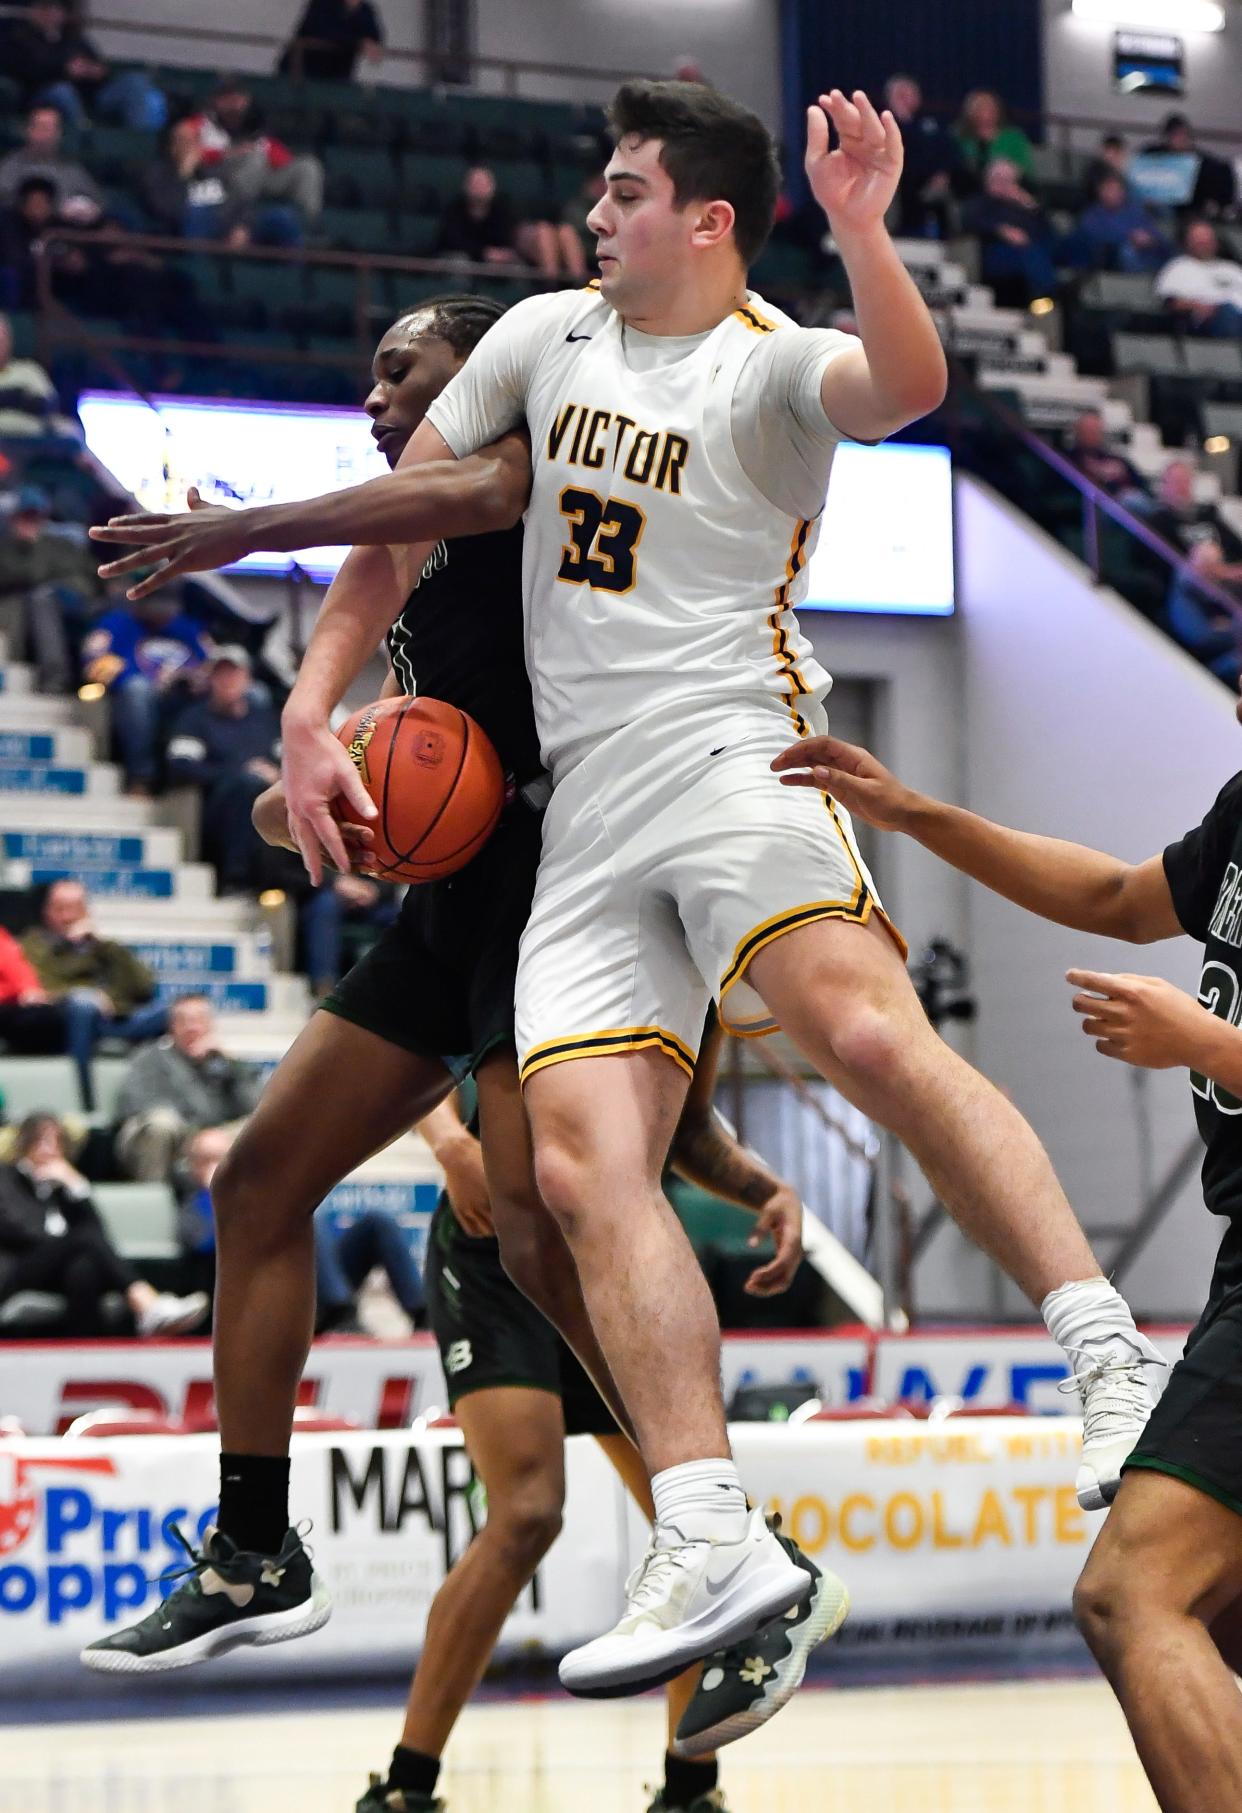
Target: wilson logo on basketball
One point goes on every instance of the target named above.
(356, 749)
(429, 749)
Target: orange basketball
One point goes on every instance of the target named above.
(436, 782)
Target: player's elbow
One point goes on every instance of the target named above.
(499, 502)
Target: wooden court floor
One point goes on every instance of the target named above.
(1022, 1747)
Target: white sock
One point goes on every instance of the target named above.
(1092, 1321)
(702, 1499)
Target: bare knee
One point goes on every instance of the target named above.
(247, 1202)
(563, 1176)
(526, 1520)
(871, 1041)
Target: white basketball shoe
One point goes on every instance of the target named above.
(1116, 1382)
(684, 1600)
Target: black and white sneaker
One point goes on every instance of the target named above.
(743, 1686)
(227, 1597)
(381, 1797)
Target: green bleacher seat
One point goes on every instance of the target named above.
(1151, 355)
(369, 177)
(438, 174)
(1223, 418)
(1120, 290)
(140, 1218)
(528, 187)
(1215, 359)
(118, 152)
(415, 235)
(359, 229)
(29, 1085)
(23, 323)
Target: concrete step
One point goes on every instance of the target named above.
(35, 711)
(189, 883)
(237, 957)
(99, 782)
(284, 996)
(143, 919)
(15, 677)
(61, 745)
(83, 851)
(74, 815)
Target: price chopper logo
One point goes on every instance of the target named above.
(97, 1557)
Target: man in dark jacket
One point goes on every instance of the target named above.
(177, 1086)
(331, 36)
(107, 991)
(52, 1239)
(55, 62)
(228, 747)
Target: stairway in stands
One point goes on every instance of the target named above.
(62, 812)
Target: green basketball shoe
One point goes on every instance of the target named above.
(227, 1597)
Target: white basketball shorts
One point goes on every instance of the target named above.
(671, 855)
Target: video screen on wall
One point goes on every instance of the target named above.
(886, 542)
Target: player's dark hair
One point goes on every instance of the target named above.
(713, 149)
(460, 321)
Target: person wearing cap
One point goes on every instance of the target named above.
(48, 588)
(149, 656)
(1215, 187)
(227, 744)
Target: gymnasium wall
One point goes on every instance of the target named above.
(1078, 73)
(735, 41)
(1083, 722)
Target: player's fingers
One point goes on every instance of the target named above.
(167, 569)
(893, 142)
(357, 834)
(845, 116)
(1110, 1049)
(816, 133)
(354, 794)
(194, 498)
(1098, 980)
(127, 528)
(127, 563)
(869, 119)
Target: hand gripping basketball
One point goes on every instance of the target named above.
(435, 781)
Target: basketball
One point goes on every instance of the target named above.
(436, 782)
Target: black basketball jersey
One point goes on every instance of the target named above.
(459, 639)
(1204, 871)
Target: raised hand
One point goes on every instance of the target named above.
(856, 183)
(199, 540)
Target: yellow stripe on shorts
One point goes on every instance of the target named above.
(600, 1044)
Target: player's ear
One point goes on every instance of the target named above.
(712, 222)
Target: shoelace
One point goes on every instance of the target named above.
(651, 1582)
(1109, 1413)
(200, 1561)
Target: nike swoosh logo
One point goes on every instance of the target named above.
(720, 751)
(570, 338)
(716, 1587)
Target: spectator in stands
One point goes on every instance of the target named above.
(1103, 465)
(23, 227)
(151, 659)
(1182, 520)
(228, 746)
(1119, 232)
(1201, 622)
(343, 1259)
(185, 198)
(196, 1227)
(478, 224)
(107, 991)
(1111, 158)
(1215, 187)
(52, 1239)
(575, 212)
(330, 37)
(48, 588)
(29, 1022)
(924, 193)
(27, 394)
(77, 194)
(324, 913)
(53, 61)
(1203, 288)
(177, 1086)
(983, 134)
(1016, 241)
(256, 167)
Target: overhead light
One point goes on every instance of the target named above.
(1217, 443)
(91, 691)
(1155, 15)
(1042, 305)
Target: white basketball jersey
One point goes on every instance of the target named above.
(655, 573)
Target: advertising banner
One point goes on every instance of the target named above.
(965, 1532)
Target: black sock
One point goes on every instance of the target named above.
(411, 1769)
(685, 1782)
(254, 1500)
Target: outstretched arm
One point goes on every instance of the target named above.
(707, 1152)
(898, 373)
(434, 497)
(1065, 882)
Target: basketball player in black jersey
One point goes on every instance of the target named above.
(1160, 1598)
(430, 1004)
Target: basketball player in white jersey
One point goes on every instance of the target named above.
(682, 434)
